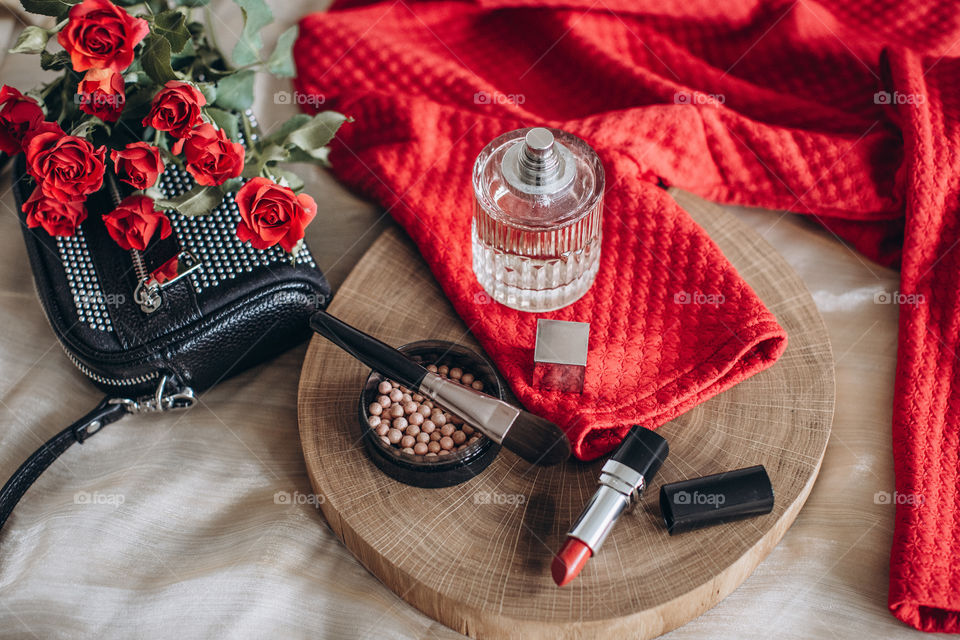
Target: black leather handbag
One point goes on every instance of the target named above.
(154, 328)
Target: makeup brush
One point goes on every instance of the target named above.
(536, 440)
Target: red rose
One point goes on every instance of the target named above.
(138, 164)
(101, 35)
(271, 214)
(135, 221)
(56, 217)
(176, 108)
(18, 115)
(212, 158)
(43, 127)
(68, 168)
(101, 93)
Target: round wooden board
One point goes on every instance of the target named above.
(477, 556)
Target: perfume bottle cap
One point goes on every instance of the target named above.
(539, 165)
(560, 355)
(722, 497)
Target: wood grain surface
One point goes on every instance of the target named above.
(476, 556)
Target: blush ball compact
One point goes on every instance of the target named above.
(418, 441)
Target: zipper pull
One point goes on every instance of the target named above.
(149, 285)
(147, 293)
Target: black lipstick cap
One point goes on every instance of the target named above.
(643, 451)
(722, 497)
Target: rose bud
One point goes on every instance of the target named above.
(56, 217)
(271, 214)
(101, 93)
(135, 221)
(176, 108)
(212, 158)
(101, 35)
(68, 168)
(138, 164)
(18, 115)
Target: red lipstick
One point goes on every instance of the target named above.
(571, 559)
(622, 481)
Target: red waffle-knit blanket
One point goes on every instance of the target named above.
(843, 110)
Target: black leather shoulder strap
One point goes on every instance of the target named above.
(104, 414)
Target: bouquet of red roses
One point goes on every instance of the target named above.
(145, 85)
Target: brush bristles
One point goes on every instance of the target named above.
(537, 440)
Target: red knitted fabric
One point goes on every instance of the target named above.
(772, 104)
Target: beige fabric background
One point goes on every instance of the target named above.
(187, 539)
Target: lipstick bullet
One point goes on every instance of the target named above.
(622, 481)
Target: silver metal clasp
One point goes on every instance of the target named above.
(160, 400)
(151, 283)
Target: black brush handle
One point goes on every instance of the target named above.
(368, 350)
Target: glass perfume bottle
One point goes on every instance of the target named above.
(537, 218)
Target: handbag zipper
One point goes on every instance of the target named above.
(85, 370)
(146, 295)
(112, 382)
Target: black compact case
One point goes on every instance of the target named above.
(448, 470)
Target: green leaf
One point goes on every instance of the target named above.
(54, 61)
(255, 162)
(312, 137)
(172, 25)
(273, 153)
(31, 40)
(256, 15)
(292, 124)
(58, 8)
(319, 157)
(291, 179)
(198, 201)
(188, 55)
(83, 129)
(225, 120)
(232, 185)
(281, 60)
(155, 58)
(209, 91)
(194, 3)
(235, 92)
